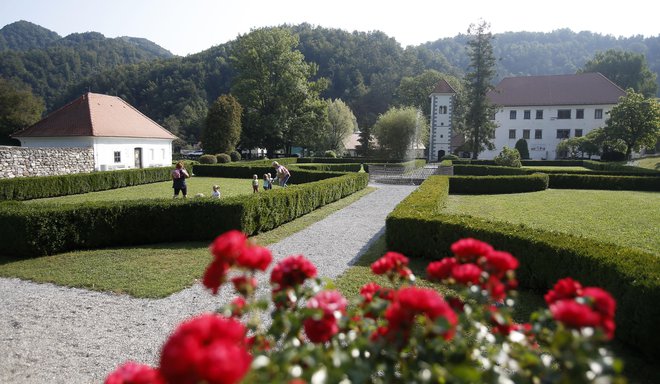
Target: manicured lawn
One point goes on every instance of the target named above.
(163, 190)
(649, 162)
(151, 271)
(628, 218)
(544, 168)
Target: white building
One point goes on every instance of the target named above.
(544, 110)
(441, 109)
(120, 135)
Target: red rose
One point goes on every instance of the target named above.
(329, 301)
(255, 258)
(214, 276)
(469, 250)
(573, 314)
(466, 273)
(245, 285)
(238, 307)
(601, 300)
(369, 290)
(228, 246)
(133, 373)
(208, 348)
(440, 270)
(391, 262)
(320, 331)
(292, 271)
(495, 288)
(498, 263)
(566, 288)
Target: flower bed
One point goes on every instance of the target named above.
(399, 334)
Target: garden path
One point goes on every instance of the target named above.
(56, 334)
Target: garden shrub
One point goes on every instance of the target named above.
(331, 154)
(418, 228)
(449, 157)
(344, 167)
(508, 158)
(347, 160)
(486, 185)
(487, 170)
(235, 156)
(247, 169)
(38, 229)
(605, 182)
(37, 187)
(208, 159)
(223, 158)
(521, 146)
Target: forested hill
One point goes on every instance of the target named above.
(49, 63)
(364, 69)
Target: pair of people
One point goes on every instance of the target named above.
(282, 174)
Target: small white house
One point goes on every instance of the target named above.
(543, 110)
(120, 135)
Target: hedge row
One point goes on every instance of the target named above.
(418, 228)
(247, 170)
(26, 188)
(616, 183)
(38, 229)
(489, 185)
(339, 160)
(487, 170)
(343, 167)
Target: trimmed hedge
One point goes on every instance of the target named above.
(343, 167)
(339, 160)
(26, 188)
(490, 185)
(418, 228)
(38, 229)
(487, 170)
(617, 183)
(238, 171)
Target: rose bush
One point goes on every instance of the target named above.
(307, 333)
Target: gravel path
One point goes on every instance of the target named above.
(52, 334)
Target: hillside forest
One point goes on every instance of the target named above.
(369, 71)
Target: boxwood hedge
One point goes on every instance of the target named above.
(487, 185)
(418, 228)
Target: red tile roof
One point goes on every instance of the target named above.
(97, 115)
(580, 89)
(443, 87)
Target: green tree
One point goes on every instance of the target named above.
(399, 130)
(509, 157)
(365, 140)
(479, 129)
(272, 84)
(19, 108)
(635, 121)
(341, 123)
(223, 126)
(625, 69)
(523, 149)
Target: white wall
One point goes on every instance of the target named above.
(441, 109)
(544, 148)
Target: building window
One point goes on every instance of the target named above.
(539, 114)
(578, 133)
(512, 133)
(117, 157)
(598, 114)
(563, 133)
(538, 134)
(526, 134)
(579, 113)
(442, 109)
(527, 114)
(512, 115)
(563, 114)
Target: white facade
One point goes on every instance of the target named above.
(441, 131)
(543, 127)
(112, 153)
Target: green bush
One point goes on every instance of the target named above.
(27, 188)
(38, 229)
(372, 160)
(488, 185)
(508, 158)
(418, 228)
(523, 149)
(344, 167)
(208, 159)
(450, 157)
(330, 154)
(247, 169)
(223, 158)
(487, 170)
(235, 156)
(606, 182)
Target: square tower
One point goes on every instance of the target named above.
(441, 111)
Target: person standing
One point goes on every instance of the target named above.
(283, 174)
(179, 176)
(255, 183)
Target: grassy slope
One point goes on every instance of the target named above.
(649, 162)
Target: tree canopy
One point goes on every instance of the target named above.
(399, 130)
(19, 108)
(635, 121)
(625, 69)
(223, 126)
(340, 124)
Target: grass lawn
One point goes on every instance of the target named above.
(649, 162)
(228, 187)
(548, 168)
(628, 218)
(151, 271)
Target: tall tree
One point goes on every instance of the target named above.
(479, 129)
(400, 130)
(340, 124)
(19, 108)
(223, 126)
(635, 121)
(272, 84)
(625, 69)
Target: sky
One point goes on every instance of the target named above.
(189, 26)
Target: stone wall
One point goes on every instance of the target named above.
(24, 162)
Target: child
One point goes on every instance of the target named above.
(255, 184)
(268, 182)
(216, 192)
